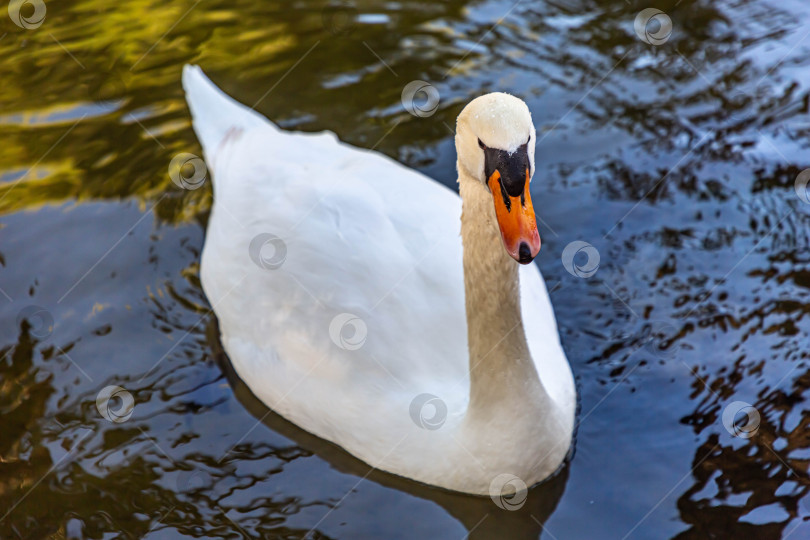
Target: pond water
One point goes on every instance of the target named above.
(675, 157)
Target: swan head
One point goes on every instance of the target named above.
(495, 140)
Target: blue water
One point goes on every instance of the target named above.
(676, 162)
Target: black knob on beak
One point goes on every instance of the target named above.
(524, 253)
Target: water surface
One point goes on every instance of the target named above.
(676, 162)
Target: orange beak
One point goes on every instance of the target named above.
(516, 220)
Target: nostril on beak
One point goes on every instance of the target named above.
(524, 253)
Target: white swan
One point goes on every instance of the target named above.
(340, 285)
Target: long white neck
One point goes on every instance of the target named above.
(502, 373)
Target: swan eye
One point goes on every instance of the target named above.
(482, 145)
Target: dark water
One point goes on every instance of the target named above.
(676, 162)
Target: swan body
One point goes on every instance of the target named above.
(347, 304)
